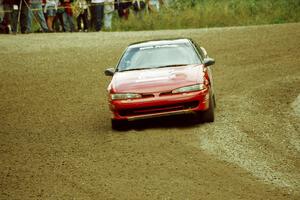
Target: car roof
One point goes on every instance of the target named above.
(159, 42)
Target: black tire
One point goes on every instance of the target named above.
(119, 125)
(209, 114)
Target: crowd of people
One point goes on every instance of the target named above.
(59, 15)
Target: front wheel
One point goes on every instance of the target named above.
(209, 114)
(119, 124)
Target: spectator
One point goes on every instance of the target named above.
(109, 8)
(138, 7)
(19, 8)
(6, 22)
(68, 16)
(82, 14)
(123, 8)
(1, 10)
(58, 19)
(36, 11)
(97, 13)
(153, 5)
(50, 9)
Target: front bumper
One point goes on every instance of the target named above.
(172, 104)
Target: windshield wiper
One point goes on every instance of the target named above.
(142, 68)
(175, 65)
(132, 69)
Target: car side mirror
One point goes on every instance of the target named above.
(209, 62)
(109, 72)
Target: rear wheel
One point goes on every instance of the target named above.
(209, 114)
(119, 124)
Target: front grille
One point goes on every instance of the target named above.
(159, 109)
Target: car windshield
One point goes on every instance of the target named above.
(156, 56)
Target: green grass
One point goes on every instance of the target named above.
(215, 13)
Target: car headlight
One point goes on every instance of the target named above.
(125, 96)
(191, 88)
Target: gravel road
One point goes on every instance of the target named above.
(56, 141)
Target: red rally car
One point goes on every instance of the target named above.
(161, 78)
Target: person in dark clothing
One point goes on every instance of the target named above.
(5, 25)
(19, 6)
(97, 13)
(139, 7)
(58, 19)
(122, 6)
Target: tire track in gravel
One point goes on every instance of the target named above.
(258, 126)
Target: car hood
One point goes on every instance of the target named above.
(156, 80)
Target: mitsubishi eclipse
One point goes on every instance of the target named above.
(161, 78)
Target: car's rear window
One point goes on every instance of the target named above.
(158, 56)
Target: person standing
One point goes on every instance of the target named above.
(82, 9)
(7, 6)
(36, 11)
(50, 9)
(153, 5)
(68, 16)
(109, 8)
(19, 12)
(138, 7)
(58, 19)
(123, 8)
(98, 13)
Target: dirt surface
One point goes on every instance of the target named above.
(56, 140)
